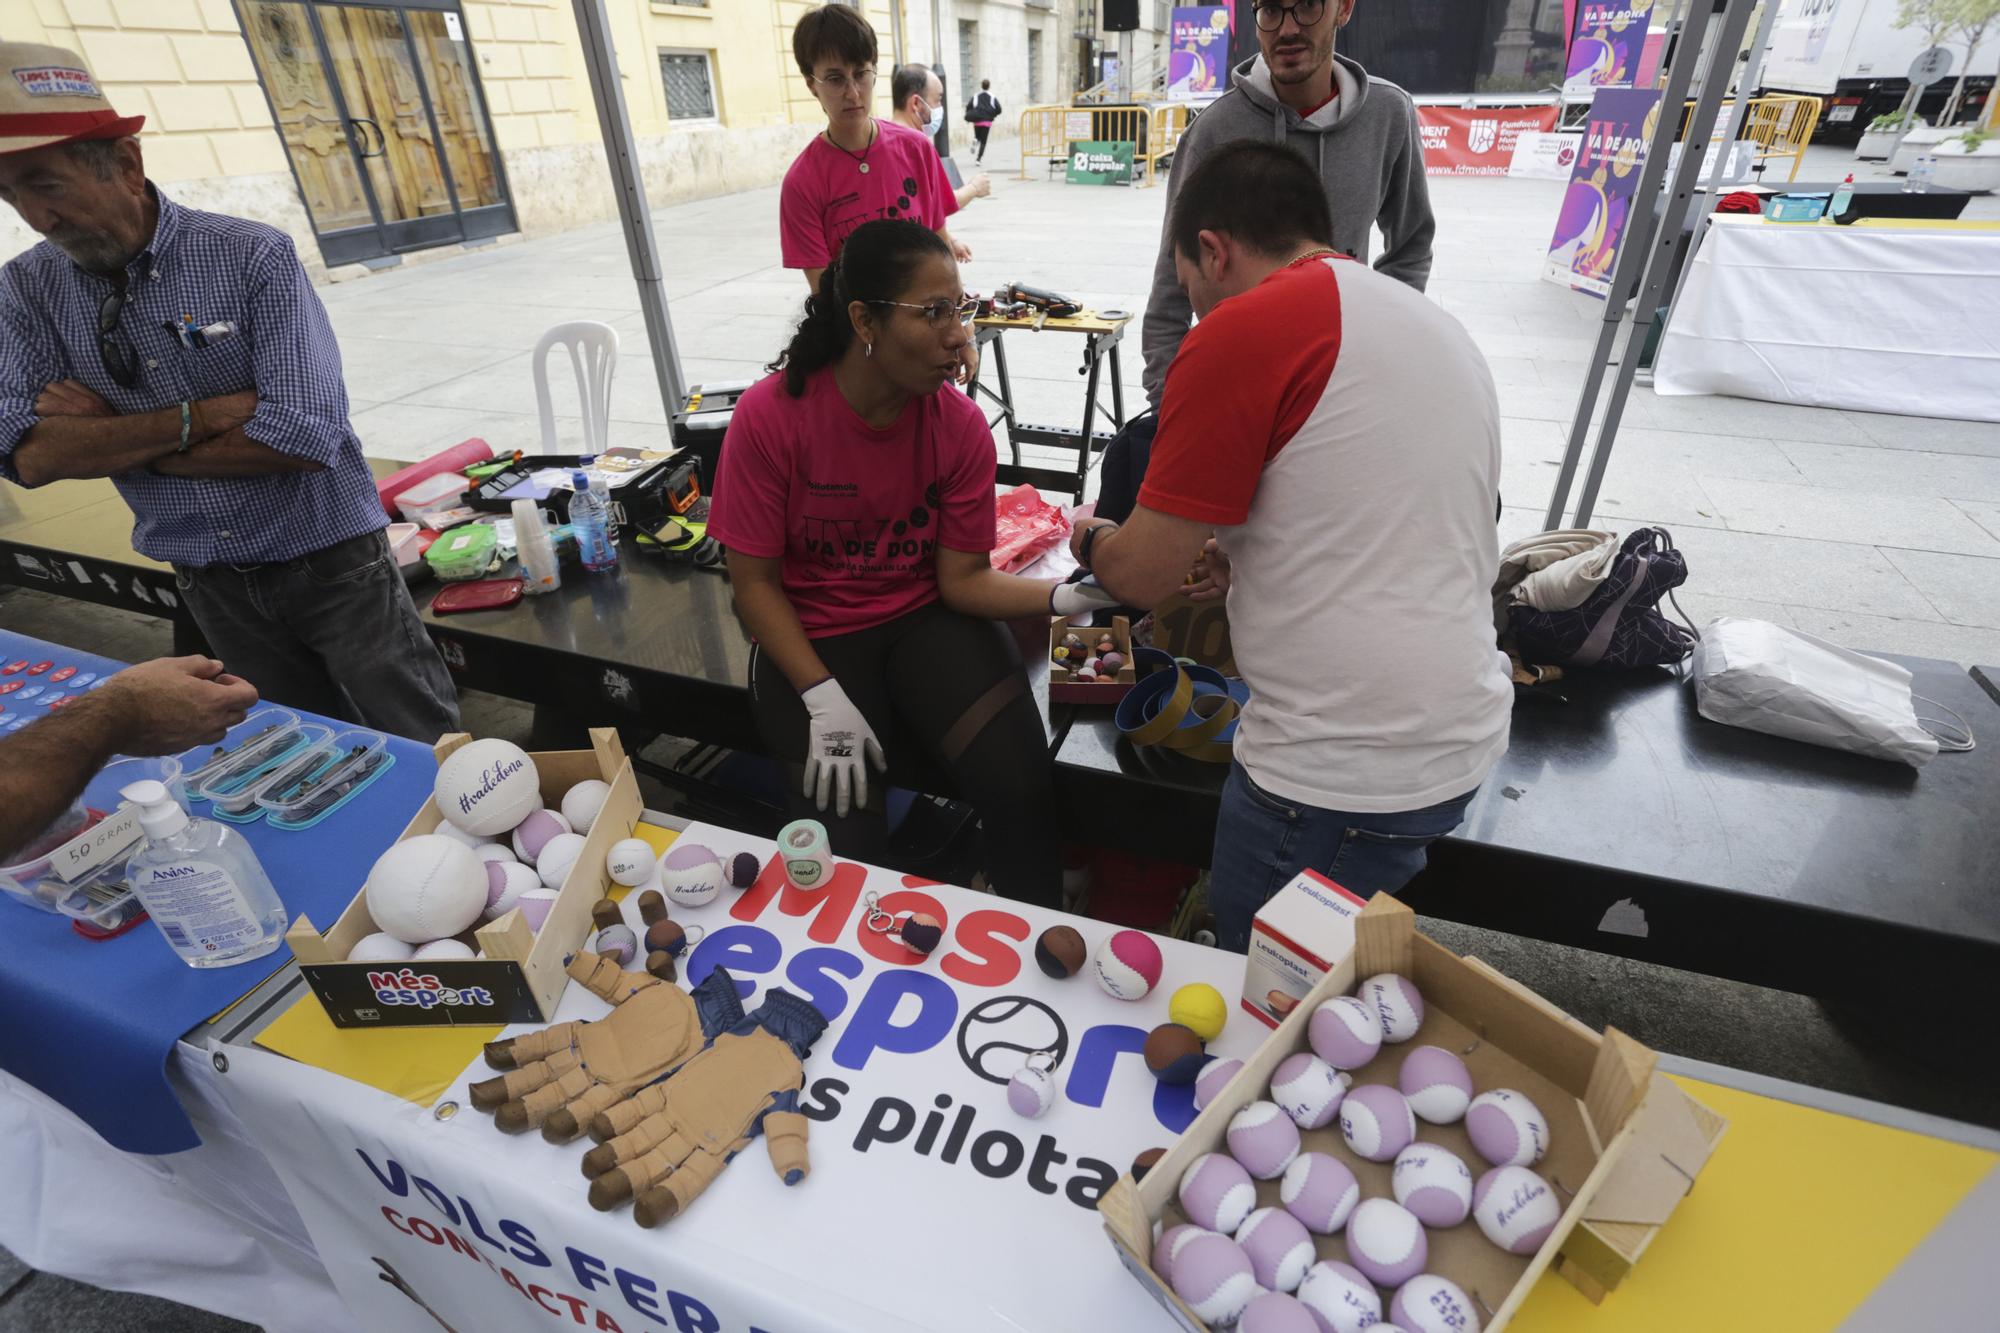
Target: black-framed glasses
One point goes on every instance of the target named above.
(941, 314)
(1305, 13)
(121, 362)
(840, 80)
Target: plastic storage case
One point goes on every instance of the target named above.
(268, 738)
(235, 799)
(469, 551)
(96, 900)
(328, 777)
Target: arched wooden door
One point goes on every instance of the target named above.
(382, 117)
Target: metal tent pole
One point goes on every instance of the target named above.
(634, 215)
(1641, 271)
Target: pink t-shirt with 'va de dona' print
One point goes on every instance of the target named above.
(827, 195)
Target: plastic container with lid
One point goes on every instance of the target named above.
(469, 551)
(432, 495)
(235, 800)
(239, 767)
(322, 781)
(89, 836)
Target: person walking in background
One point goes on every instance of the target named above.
(919, 97)
(1359, 135)
(980, 113)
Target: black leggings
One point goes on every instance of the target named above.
(913, 679)
(980, 132)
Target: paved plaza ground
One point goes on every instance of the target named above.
(1879, 532)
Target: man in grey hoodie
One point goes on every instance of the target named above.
(1359, 133)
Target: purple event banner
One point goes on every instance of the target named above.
(1583, 254)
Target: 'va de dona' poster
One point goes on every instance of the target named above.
(1607, 45)
(1198, 59)
(1598, 204)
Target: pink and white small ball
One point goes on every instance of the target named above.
(1275, 1312)
(1264, 1139)
(1340, 1297)
(1309, 1089)
(1434, 1183)
(1397, 1005)
(1375, 1122)
(1515, 1208)
(1321, 1191)
(1128, 965)
(1428, 1303)
(691, 875)
(533, 833)
(1214, 1277)
(1437, 1084)
(1344, 1032)
(1216, 1192)
(1386, 1242)
(1279, 1247)
(1214, 1077)
(1169, 1244)
(1506, 1128)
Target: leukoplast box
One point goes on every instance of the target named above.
(1297, 938)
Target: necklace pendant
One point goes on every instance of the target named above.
(864, 168)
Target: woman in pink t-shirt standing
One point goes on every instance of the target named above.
(855, 496)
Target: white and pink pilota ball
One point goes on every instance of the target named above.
(506, 881)
(1264, 1139)
(1309, 1089)
(1128, 965)
(1375, 1122)
(1208, 1084)
(1275, 1312)
(535, 905)
(631, 862)
(1216, 1192)
(1516, 1208)
(691, 875)
(1344, 1032)
(487, 787)
(1396, 1003)
(1386, 1242)
(1506, 1128)
(1320, 1190)
(1213, 1275)
(1428, 1303)
(558, 858)
(1434, 1183)
(581, 803)
(533, 833)
(1437, 1084)
(1031, 1092)
(491, 851)
(1279, 1247)
(1341, 1299)
(1169, 1244)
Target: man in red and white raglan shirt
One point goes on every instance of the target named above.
(1339, 436)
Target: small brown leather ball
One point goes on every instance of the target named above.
(1060, 952)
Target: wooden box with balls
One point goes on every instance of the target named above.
(1412, 1146)
(1082, 670)
(468, 916)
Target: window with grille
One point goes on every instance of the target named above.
(690, 88)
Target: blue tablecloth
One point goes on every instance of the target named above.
(91, 1022)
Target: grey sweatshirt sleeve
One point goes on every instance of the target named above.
(1406, 220)
(1168, 312)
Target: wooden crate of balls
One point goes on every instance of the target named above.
(1076, 661)
(1556, 1107)
(506, 964)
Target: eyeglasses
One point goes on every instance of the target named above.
(839, 81)
(1271, 17)
(121, 363)
(940, 315)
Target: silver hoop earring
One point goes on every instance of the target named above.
(867, 349)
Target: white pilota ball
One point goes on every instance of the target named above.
(487, 787)
(558, 855)
(581, 803)
(631, 861)
(425, 888)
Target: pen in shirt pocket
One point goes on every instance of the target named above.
(196, 337)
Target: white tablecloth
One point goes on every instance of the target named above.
(1902, 320)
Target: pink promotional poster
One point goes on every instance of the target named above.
(1198, 57)
(1607, 45)
(1583, 254)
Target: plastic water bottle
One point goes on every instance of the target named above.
(539, 571)
(1842, 198)
(1919, 181)
(201, 884)
(590, 516)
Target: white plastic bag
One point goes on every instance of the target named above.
(1764, 677)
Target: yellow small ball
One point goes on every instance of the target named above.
(1200, 1007)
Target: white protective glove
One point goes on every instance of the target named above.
(839, 747)
(1074, 599)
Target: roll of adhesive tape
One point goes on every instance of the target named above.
(808, 860)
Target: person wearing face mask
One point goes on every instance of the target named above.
(856, 502)
(858, 169)
(184, 355)
(1359, 134)
(919, 97)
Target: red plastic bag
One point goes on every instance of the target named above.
(1025, 526)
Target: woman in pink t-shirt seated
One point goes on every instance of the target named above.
(856, 499)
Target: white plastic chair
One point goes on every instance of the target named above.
(593, 355)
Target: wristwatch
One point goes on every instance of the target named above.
(1090, 535)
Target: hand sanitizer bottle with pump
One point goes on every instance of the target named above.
(201, 884)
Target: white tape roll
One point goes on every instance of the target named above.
(808, 860)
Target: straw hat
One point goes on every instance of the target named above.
(47, 96)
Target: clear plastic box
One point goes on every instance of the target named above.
(308, 791)
(236, 800)
(97, 901)
(250, 748)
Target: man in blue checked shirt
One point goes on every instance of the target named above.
(184, 355)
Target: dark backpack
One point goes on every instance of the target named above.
(1619, 625)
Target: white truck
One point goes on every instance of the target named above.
(1851, 54)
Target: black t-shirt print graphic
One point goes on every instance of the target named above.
(848, 214)
(871, 548)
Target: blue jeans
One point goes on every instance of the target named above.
(1263, 841)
